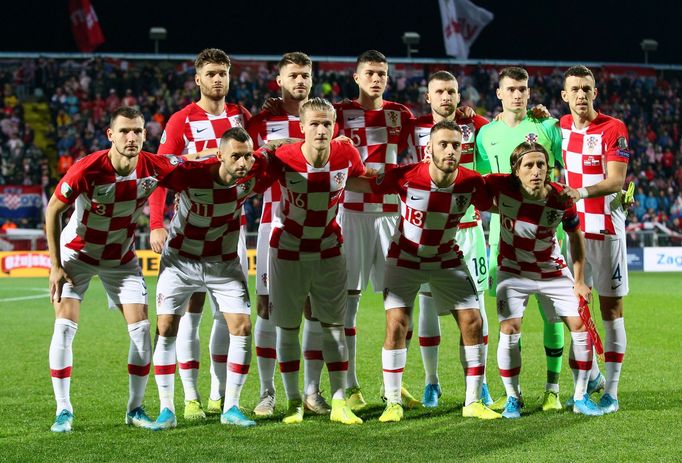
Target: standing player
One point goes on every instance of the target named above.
(443, 96)
(376, 128)
(434, 198)
(195, 131)
(530, 262)
(108, 190)
(596, 155)
(494, 144)
(305, 253)
(201, 253)
(295, 80)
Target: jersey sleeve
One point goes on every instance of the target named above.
(157, 200)
(553, 130)
(357, 168)
(173, 137)
(406, 116)
(481, 160)
(71, 185)
(261, 170)
(254, 127)
(389, 182)
(617, 148)
(493, 185)
(409, 155)
(245, 112)
(571, 220)
(480, 197)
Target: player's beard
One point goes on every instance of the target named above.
(297, 96)
(214, 93)
(445, 113)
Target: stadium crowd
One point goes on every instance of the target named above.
(82, 93)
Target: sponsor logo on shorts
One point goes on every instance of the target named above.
(617, 286)
(159, 299)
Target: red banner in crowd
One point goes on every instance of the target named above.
(85, 25)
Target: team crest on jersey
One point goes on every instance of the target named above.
(66, 190)
(461, 202)
(174, 160)
(339, 178)
(394, 118)
(553, 216)
(466, 132)
(532, 138)
(148, 185)
(592, 142)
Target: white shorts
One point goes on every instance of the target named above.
(471, 241)
(180, 277)
(606, 266)
(451, 288)
(123, 284)
(262, 257)
(555, 296)
(292, 280)
(366, 239)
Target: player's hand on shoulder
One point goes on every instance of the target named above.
(464, 112)
(58, 277)
(539, 111)
(570, 193)
(274, 106)
(344, 139)
(157, 238)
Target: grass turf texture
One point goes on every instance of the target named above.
(647, 428)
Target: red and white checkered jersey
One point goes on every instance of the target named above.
(265, 127)
(528, 244)
(425, 237)
(379, 136)
(586, 153)
(306, 226)
(206, 223)
(107, 205)
(192, 130)
(420, 134)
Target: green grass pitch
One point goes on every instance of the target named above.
(648, 427)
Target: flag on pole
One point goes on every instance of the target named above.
(462, 22)
(85, 25)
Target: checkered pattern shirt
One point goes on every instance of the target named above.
(419, 130)
(102, 227)
(528, 244)
(192, 130)
(425, 237)
(265, 127)
(206, 223)
(306, 226)
(586, 153)
(379, 136)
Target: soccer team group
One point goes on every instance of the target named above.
(354, 192)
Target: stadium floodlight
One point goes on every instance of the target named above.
(647, 46)
(156, 34)
(409, 39)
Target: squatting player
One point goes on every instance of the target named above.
(494, 144)
(596, 155)
(434, 198)
(195, 131)
(108, 189)
(295, 80)
(530, 262)
(201, 253)
(375, 127)
(443, 96)
(305, 253)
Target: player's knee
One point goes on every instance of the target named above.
(167, 325)
(511, 326)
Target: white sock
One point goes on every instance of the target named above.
(61, 362)
(352, 304)
(139, 361)
(484, 329)
(429, 338)
(471, 358)
(336, 356)
(164, 371)
(509, 363)
(313, 360)
(393, 364)
(239, 359)
(615, 342)
(218, 347)
(580, 360)
(266, 354)
(289, 357)
(189, 353)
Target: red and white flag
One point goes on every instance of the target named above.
(85, 25)
(462, 22)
